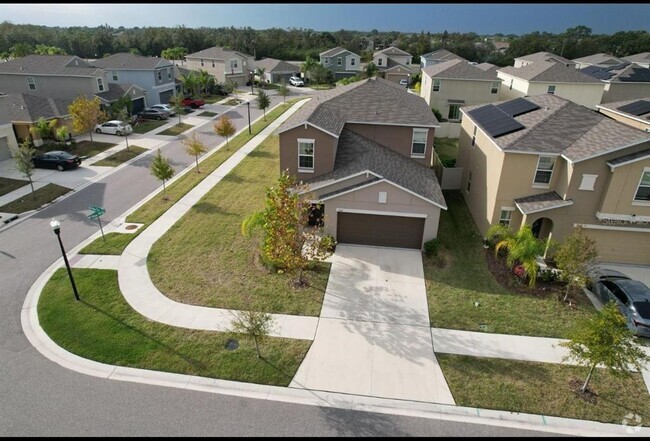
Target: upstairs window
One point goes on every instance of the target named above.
(212, 63)
(159, 74)
(436, 85)
(495, 87)
(115, 76)
(201, 61)
(339, 61)
(30, 83)
(100, 84)
(643, 191)
(305, 155)
(551, 90)
(233, 65)
(544, 170)
(379, 62)
(419, 143)
(408, 61)
(352, 61)
(169, 73)
(327, 60)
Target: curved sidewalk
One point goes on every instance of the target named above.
(140, 292)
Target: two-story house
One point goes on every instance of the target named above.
(223, 64)
(154, 75)
(555, 165)
(525, 60)
(439, 56)
(634, 112)
(8, 141)
(549, 77)
(599, 60)
(365, 151)
(394, 64)
(450, 85)
(642, 59)
(622, 81)
(342, 62)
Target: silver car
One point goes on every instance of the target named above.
(114, 127)
(165, 107)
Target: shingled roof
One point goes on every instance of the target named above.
(128, 61)
(370, 101)
(29, 108)
(117, 91)
(217, 53)
(336, 50)
(276, 66)
(549, 72)
(643, 57)
(442, 55)
(562, 127)
(616, 107)
(545, 56)
(392, 50)
(461, 70)
(69, 65)
(356, 154)
(599, 59)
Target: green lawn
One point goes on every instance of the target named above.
(543, 389)
(204, 259)
(208, 114)
(112, 243)
(148, 126)
(465, 279)
(176, 129)
(85, 148)
(104, 328)
(232, 102)
(34, 200)
(211, 99)
(8, 185)
(122, 156)
(321, 86)
(447, 148)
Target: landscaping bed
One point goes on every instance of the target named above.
(176, 129)
(8, 185)
(32, 201)
(207, 113)
(120, 157)
(148, 126)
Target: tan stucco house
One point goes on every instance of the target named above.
(622, 81)
(550, 163)
(634, 112)
(526, 60)
(599, 60)
(276, 71)
(642, 59)
(394, 64)
(365, 151)
(223, 64)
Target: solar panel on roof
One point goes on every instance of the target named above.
(494, 121)
(597, 72)
(636, 108)
(518, 106)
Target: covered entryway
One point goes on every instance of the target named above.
(380, 230)
(5, 153)
(166, 96)
(137, 105)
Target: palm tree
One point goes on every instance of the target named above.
(203, 80)
(307, 66)
(189, 82)
(260, 73)
(522, 247)
(43, 128)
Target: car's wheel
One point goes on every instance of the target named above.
(59, 167)
(98, 130)
(159, 118)
(193, 106)
(118, 133)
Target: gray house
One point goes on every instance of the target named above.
(154, 75)
(439, 56)
(277, 70)
(342, 62)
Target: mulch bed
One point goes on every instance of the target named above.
(589, 395)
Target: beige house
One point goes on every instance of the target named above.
(439, 56)
(635, 112)
(622, 81)
(599, 60)
(642, 59)
(550, 163)
(394, 64)
(365, 151)
(526, 60)
(548, 77)
(223, 64)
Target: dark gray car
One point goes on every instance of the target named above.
(154, 114)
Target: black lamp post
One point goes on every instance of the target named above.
(408, 81)
(252, 80)
(56, 227)
(248, 104)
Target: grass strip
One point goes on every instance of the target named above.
(35, 200)
(121, 157)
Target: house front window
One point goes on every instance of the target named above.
(419, 143)
(506, 216)
(201, 61)
(379, 62)
(169, 73)
(454, 112)
(544, 171)
(408, 62)
(352, 61)
(212, 63)
(339, 61)
(159, 75)
(31, 83)
(233, 65)
(306, 155)
(436, 85)
(115, 76)
(327, 60)
(643, 191)
(551, 90)
(495, 87)
(100, 84)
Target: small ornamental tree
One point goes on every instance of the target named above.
(255, 324)
(23, 156)
(604, 339)
(61, 133)
(283, 91)
(176, 102)
(263, 102)
(224, 127)
(162, 169)
(86, 114)
(123, 115)
(370, 70)
(575, 257)
(194, 146)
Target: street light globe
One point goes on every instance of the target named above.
(56, 226)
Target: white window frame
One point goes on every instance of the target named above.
(169, 73)
(474, 135)
(588, 182)
(100, 84)
(379, 60)
(116, 76)
(159, 74)
(426, 136)
(436, 83)
(233, 65)
(457, 113)
(352, 61)
(327, 60)
(537, 170)
(313, 155)
(383, 197)
(469, 182)
(339, 61)
(642, 201)
(494, 88)
(31, 83)
(549, 91)
(505, 220)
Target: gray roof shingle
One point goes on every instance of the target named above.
(643, 57)
(336, 50)
(442, 55)
(616, 107)
(629, 158)
(276, 66)
(599, 59)
(356, 153)
(128, 61)
(541, 202)
(217, 53)
(549, 71)
(117, 91)
(460, 69)
(545, 56)
(29, 108)
(49, 65)
(392, 51)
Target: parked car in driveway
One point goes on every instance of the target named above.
(631, 296)
(166, 107)
(57, 159)
(114, 127)
(296, 81)
(154, 114)
(194, 103)
(404, 82)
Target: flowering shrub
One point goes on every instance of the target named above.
(519, 271)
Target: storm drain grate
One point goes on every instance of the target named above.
(232, 344)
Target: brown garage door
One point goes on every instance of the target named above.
(621, 246)
(385, 231)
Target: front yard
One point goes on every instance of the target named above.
(148, 126)
(464, 279)
(176, 129)
(83, 149)
(32, 201)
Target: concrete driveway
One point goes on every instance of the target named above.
(373, 335)
(637, 272)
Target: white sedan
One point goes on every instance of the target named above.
(114, 127)
(295, 81)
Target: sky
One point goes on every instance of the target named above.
(481, 18)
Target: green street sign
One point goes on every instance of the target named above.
(97, 210)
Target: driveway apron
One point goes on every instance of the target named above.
(373, 335)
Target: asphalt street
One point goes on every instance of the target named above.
(41, 398)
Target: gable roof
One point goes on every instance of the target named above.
(392, 64)
(488, 66)
(442, 55)
(599, 59)
(620, 107)
(627, 159)
(549, 72)
(335, 51)
(370, 101)
(643, 57)
(22, 107)
(630, 73)
(392, 50)
(564, 128)
(117, 91)
(128, 61)
(217, 53)
(276, 66)
(545, 56)
(49, 65)
(356, 154)
(460, 70)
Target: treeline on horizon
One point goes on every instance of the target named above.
(296, 43)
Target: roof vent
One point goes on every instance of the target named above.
(76, 62)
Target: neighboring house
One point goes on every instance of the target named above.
(439, 56)
(622, 81)
(600, 60)
(276, 70)
(365, 151)
(22, 111)
(223, 64)
(136, 93)
(634, 112)
(152, 74)
(53, 76)
(8, 141)
(342, 62)
(548, 77)
(552, 164)
(501, 46)
(642, 59)
(394, 64)
(541, 56)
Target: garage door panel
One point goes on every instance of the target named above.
(379, 230)
(137, 105)
(5, 153)
(621, 246)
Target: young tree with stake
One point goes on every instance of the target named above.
(162, 169)
(194, 146)
(224, 127)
